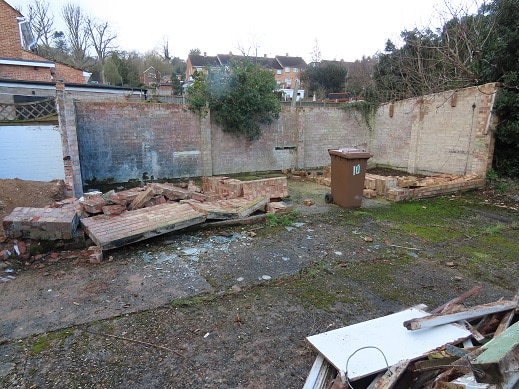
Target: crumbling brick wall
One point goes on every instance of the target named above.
(122, 141)
(448, 132)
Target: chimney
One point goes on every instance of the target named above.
(286, 55)
(205, 54)
(264, 55)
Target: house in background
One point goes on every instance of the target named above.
(158, 83)
(286, 69)
(289, 71)
(18, 61)
(199, 63)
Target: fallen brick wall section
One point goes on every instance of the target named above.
(224, 186)
(41, 223)
(409, 187)
(274, 188)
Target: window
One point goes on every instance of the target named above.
(287, 69)
(278, 71)
(296, 70)
(28, 40)
(288, 81)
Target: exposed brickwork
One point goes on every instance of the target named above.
(275, 150)
(10, 42)
(229, 209)
(276, 207)
(28, 73)
(408, 187)
(432, 135)
(224, 186)
(11, 47)
(41, 223)
(273, 188)
(122, 141)
(110, 232)
(429, 135)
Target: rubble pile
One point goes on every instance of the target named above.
(399, 188)
(450, 347)
(114, 219)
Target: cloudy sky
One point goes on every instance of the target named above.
(341, 29)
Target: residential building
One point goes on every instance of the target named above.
(18, 60)
(199, 63)
(286, 69)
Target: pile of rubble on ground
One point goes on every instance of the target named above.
(451, 347)
(399, 188)
(115, 219)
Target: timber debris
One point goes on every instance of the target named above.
(453, 347)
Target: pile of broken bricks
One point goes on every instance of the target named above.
(451, 347)
(400, 188)
(115, 219)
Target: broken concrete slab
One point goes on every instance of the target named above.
(85, 293)
(110, 232)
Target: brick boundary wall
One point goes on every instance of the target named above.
(450, 132)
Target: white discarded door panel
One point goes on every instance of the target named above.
(383, 339)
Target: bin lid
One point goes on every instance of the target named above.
(350, 153)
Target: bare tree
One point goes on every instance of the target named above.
(360, 76)
(250, 48)
(316, 52)
(432, 61)
(77, 34)
(42, 22)
(165, 49)
(101, 39)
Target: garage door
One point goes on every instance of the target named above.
(31, 153)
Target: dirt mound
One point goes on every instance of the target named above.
(22, 193)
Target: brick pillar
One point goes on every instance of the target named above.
(483, 148)
(300, 116)
(206, 152)
(416, 130)
(69, 142)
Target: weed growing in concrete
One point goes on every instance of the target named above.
(274, 220)
(188, 302)
(45, 341)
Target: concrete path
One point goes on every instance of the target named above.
(58, 297)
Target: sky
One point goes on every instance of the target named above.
(340, 29)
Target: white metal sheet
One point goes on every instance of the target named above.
(391, 339)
